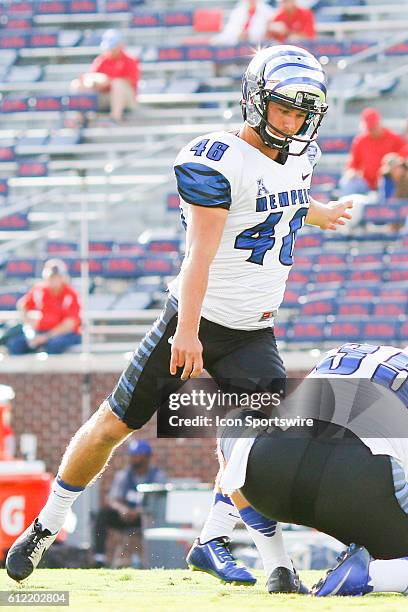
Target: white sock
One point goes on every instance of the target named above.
(389, 575)
(221, 520)
(267, 537)
(60, 500)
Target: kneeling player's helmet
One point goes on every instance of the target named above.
(289, 76)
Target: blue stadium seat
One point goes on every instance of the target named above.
(305, 258)
(117, 6)
(380, 214)
(42, 39)
(399, 256)
(95, 266)
(103, 247)
(335, 274)
(332, 258)
(369, 273)
(44, 102)
(282, 330)
(21, 268)
(14, 104)
(56, 247)
(318, 304)
(309, 330)
(130, 248)
(367, 257)
(335, 144)
(301, 277)
(4, 188)
(391, 307)
(309, 239)
(121, 267)
(361, 290)
(292, 293)
(7, 152)
(354, 307)
(173, 201)
(398, 273)
(9, 299)
(17, 221)
(346, 329)
(393, 290)
(381, 329)
(81, 102)
(32, 167)
(162, 265)
(52, 7)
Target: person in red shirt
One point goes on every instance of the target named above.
(366, 154)
(114, 74)
(291, 23)
(50, 312)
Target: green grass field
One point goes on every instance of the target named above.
(180, 590)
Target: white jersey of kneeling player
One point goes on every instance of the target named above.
(368, 386)
(267, 204)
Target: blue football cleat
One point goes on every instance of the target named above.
(215, 558)
(349, 577)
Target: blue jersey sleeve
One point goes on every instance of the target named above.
(201, 185)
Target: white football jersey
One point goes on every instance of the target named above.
(366, 392)
(267, 204)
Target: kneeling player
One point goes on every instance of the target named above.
(345, 475)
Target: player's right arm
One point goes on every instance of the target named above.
(203, 238)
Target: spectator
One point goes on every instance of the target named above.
(114, 74)
(55, 324)
(394, 177)
(291, 23)
(247, 22)
(124, 508)
(367, 152)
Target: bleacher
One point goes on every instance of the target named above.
(58, 175)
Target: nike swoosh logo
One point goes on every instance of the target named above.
(218, 564)
(304, 176)
(342, 581)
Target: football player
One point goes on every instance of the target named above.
(244, 196)
(345, 473)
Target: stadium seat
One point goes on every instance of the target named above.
(121, 267)
(55, 247)
(335, 144)
(208, 20)
(368, 273)
(398, 273)
(309, 239)
(102, 247)
(173, 201)
(381, 329)
(391, 307)
(305, 258)
(32, 167)
(300, 276)
(21, 268)
(318, 304)
(393, 290)
(309, 330)
(367, 257)
(361, 290)
(9, 299)
(130, 248)
(282, 330)
(353, 307)
(345, 329)
(332, 258)
(15, 222)
(379, 214)
(399, 256)
(328, 275)
(292, 293)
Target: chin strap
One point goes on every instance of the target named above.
(283, 150)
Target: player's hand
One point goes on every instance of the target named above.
(337, 214)
(186, 353)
